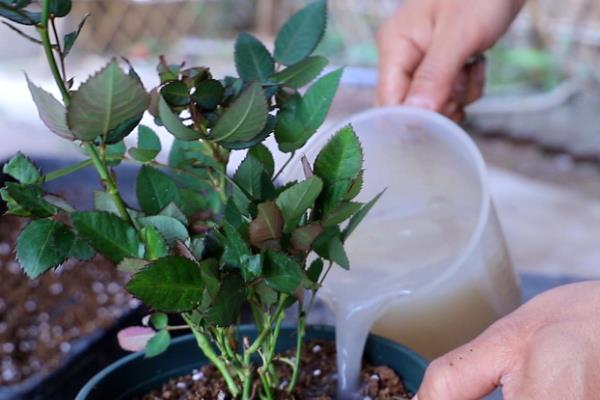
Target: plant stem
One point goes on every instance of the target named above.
(208, 351)
(48, 50)
(90, 148)
(227, 178)
(301, 329)
(111, 187)
(284, 166)
(59, 173)
(300, 332)
(265, 332)
(266, 386)
(59, 48)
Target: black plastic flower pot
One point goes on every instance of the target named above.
(135, 375)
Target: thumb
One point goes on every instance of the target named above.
(432, 82)
(471, 371)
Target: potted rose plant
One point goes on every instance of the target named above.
(200, 243)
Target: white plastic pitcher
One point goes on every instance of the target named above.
(429, 265)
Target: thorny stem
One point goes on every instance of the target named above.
(178, 328)
(208, 351)
(263, 336)
(48, 50)
(108, 181)
(90, 148)
(59, 50)
(284, 166)
(300, 331)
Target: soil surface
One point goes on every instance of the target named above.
(317, 380)
(42, 320)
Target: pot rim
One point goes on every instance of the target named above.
(401, 349)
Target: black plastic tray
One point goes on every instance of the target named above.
(91, 353)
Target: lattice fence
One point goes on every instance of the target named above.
(120, 25)
(571, 28)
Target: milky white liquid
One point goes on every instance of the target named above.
(428, 266)
(429, 320)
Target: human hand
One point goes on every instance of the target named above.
(547, 349)
(425, 45)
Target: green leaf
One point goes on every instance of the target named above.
(131, 265)
(337, 254)
(290, 132)
(116, 150)
(333, 195)
(253, 178)
(266, 295)
(59, 8)
(314, 271)
(176, 93)
(42, 245)
(318, 98)
(159, 320)
(251, 267)
(341, 158)
(170, 284)
(297, 199)
(267, 226)
(50, 110)
(264, 156)
(281, 272)
(12, 206)
(174, 124)
(301, 34)
(359, 216)
(79, 249)
(156, 246)
(232, 214)
(170, 228)
(122, 130)
(148, 145)
(235, 247)
(173, 211)
(209, 269)
(252, 59)
(228, 302)
(59, 202)
(341, 213)
(245, 118)
(71, 37)
(108, 234)
(104, 101)
(167, 72)
(303, 237)
(209, 94)
(155, 190)
(31, 199)
(18, 15)
(157, 344)
(104, 202)
(355, 187)
(264, 134)
(22, 169)
(302, 73)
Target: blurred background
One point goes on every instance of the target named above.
(538, 127)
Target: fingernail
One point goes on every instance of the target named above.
(420, 102)
(416, 397)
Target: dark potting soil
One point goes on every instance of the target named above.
(317, 380)
(42, 320)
